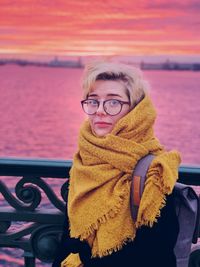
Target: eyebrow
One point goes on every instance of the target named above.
(106, 95)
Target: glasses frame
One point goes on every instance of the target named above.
(104, 102)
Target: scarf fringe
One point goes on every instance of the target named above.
(116, 248)
(73, 260)
(101, 220)
(156, 212)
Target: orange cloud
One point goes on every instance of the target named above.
(114, 27)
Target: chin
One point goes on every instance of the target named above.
(101, 132)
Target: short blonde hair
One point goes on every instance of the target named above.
(131, 77)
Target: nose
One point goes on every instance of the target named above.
(100, 110)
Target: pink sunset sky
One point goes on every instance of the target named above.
(93, 27)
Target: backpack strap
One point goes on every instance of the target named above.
(138, 183)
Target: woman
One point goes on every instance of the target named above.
(117, 134)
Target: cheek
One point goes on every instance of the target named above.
(115, 119)
(119, 116)
(91, 119)
(126, 111)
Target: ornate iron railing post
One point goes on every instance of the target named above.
(29, 259)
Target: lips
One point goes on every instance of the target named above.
(102, 124)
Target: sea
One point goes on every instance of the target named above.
(40, 116)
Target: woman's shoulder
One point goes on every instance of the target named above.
(160, 181)
(163, 170)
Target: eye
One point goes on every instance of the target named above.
(92, 102)
(113, 102)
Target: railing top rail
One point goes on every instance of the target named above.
(35, 161)
(15, 166)
(62, 162)
(35, 167)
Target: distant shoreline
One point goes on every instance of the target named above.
(167, 65)
(52, 64)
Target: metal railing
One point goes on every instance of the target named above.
(40, 211)
(41, 222)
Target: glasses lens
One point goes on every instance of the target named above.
(112, 106)
(90, 106)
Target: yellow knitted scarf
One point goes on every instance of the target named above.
(99, 191)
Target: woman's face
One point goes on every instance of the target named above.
(101, 122)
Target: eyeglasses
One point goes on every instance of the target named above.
(111, 106)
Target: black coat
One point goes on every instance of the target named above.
(152, 246)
